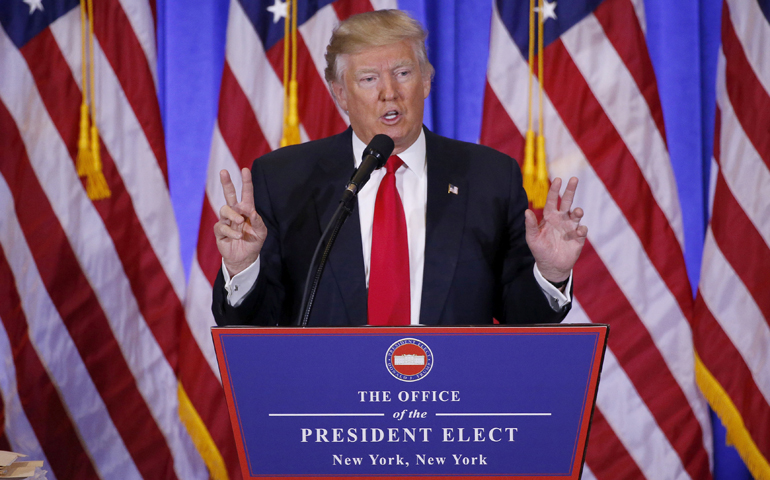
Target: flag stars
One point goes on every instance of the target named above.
(549, 10)
(34, 5)
(278, 9)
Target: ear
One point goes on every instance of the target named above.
(340, 94)
(425, 87)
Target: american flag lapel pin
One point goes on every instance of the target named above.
(453, 189)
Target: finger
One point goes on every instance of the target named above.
(222, 231)
(229, 189)
(576, 214)
(530, 223)
(228, 215)
(569, 195)
(552, 200)
(247, 194)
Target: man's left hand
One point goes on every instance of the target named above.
(557, 240)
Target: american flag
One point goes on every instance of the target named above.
(604, 124)
(732, 309)
(92, 340)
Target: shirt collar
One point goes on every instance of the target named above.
(413, 157)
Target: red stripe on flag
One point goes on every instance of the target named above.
(209, 258)
(726, 364)
(79, 308)
(37, 393)
(748, 97)
(606, 456)
(641, 360)
(237, 122)
(346, 8)
(621, 27)
(616, 167)
(742, 245)
(317, 111)
(124, 52)
(498, 130)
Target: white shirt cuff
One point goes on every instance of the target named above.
(555, 297)
(240, 284)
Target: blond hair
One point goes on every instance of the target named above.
(375, 29)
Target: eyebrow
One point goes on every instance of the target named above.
(399, 64)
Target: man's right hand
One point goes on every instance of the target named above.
(240, 231)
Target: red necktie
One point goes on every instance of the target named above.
(389, 266)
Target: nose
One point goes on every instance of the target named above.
(388, 88)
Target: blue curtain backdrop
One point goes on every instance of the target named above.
(683, 40)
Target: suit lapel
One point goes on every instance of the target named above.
(346, 259)
(444, 224)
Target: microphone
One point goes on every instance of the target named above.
(375, 156)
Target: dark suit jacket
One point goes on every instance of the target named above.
(477, 263)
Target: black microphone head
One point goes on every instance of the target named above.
(380, 148)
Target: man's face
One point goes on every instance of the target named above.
(384, 91)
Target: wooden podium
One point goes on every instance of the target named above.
(411, 402)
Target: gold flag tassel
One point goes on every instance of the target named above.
(84, 161)
(290, 112)
(528, 169)
(89, 164)
(540, 185)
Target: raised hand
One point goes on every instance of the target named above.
(557, 240)
(240, 231)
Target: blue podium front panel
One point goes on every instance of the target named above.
(411, 401)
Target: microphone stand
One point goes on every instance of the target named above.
(342, 213)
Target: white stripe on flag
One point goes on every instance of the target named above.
(753, 32)
(199, 316)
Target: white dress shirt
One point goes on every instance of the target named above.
(412, 186)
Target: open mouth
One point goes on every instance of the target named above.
(391, 115)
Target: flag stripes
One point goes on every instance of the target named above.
(732, 308)
(37, 393)
(127, 59)
(604, 124)
(80, 309)
(624, 30)
(99, 284)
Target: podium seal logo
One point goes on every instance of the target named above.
(409, 359)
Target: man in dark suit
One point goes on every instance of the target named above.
(471, 249)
